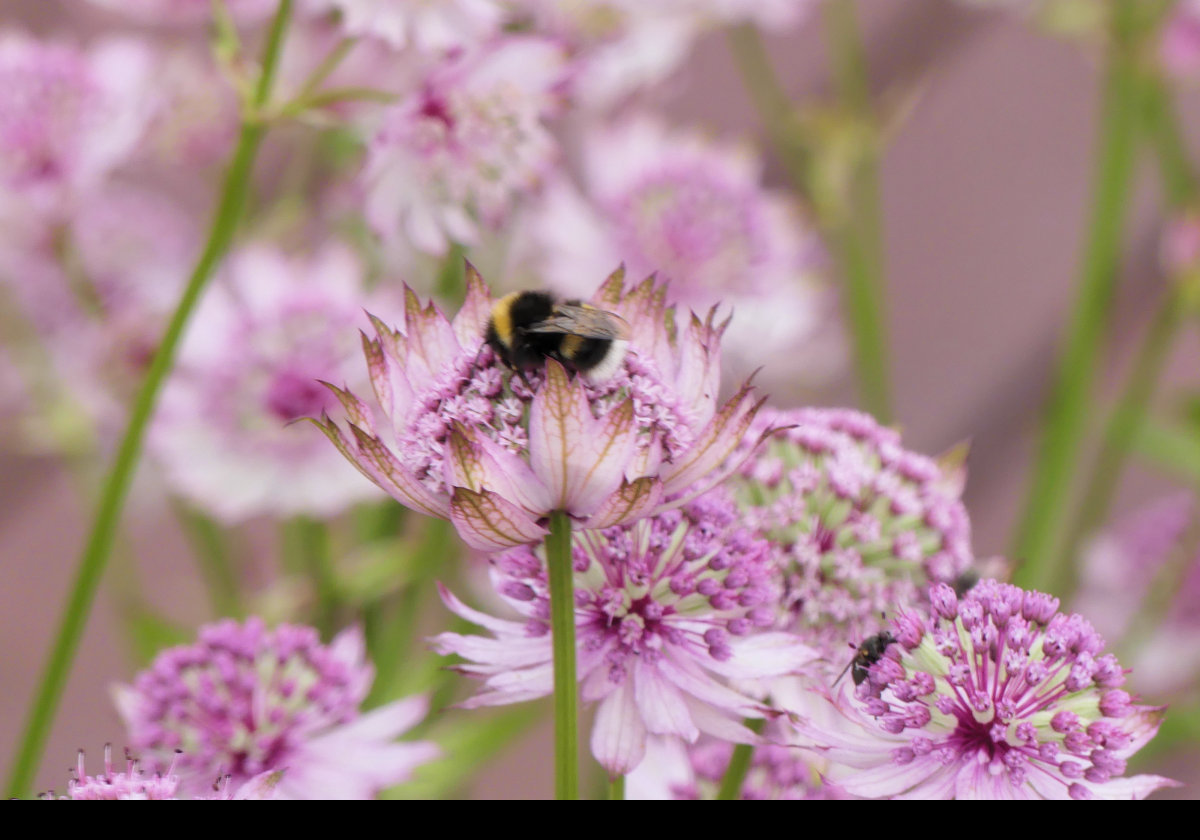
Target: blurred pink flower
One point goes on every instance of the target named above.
(861, 524)
(269, 328)
(668, 610)
(428, 25)
(244, 700)
(1179, 47)
(188, 13)
(676, 770)
(694, 210)
(459, 152)
(994, 696)
(476, 444)
(68, 117)
(133, 783)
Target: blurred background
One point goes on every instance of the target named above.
(985, 189)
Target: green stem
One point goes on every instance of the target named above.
(306, 552)
(562, 626)
(1067, 411)
(1161, 123)
(1120, 430)
(857, 233)
(211, 551)
(43, 707)
(616, 789)
(739, 766)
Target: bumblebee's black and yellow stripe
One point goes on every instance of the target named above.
(527, 327)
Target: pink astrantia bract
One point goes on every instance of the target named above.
(861, 524)
(694, 210)
(1179, 45)
(668, 611)
(475, 444)
(458, 152)
(266, 332)
(994, 696)
(246, 700)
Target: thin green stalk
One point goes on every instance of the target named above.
(1067, 411)
(211, 550)
(739, 766)
(43, 707)
(562, 626)
(306, 552)
(1120, 430)
(858, 232)
(1161, 123)
(616, 789)
(771, 101)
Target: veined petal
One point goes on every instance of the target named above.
(714, 445)
(765, 655)
(471, 321)
(618, 735)
(488, 522)
(632, 501)
(661, 705)
(499, 626)
(381, 465)
(579, 460)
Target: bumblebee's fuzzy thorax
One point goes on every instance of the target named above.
(525, 328)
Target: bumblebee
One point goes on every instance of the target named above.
(866, 655)
(527, 327)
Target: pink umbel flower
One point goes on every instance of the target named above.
(469, 143)
(266, 332)
(668, 611)
(432, 26)
(695, 211)
(993, 696)
(68, 117)
(497, 453)
(861, 524)
(246, 700)
(133, 783)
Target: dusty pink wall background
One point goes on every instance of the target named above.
(984, 194)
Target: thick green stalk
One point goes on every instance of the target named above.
(616, 789)
(1067, 411)
(562, 626)
(739, 766)
(74, 617)
(857, 233)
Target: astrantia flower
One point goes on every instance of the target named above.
(675, 770)
(474, 443)
(862, 524)
(133, 783)
(244, 700)
(668, 609)
(461, 150)
(249, 367)
(428, 25)
(1118, 573)
(694, 211)
(994, 696)
(67, 117)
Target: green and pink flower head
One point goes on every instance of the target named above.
(245, 700)
(133, 783)
(463, 437)
(996, 695)
(860, 523)
(669, 611)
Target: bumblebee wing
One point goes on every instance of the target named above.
(584, 321)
